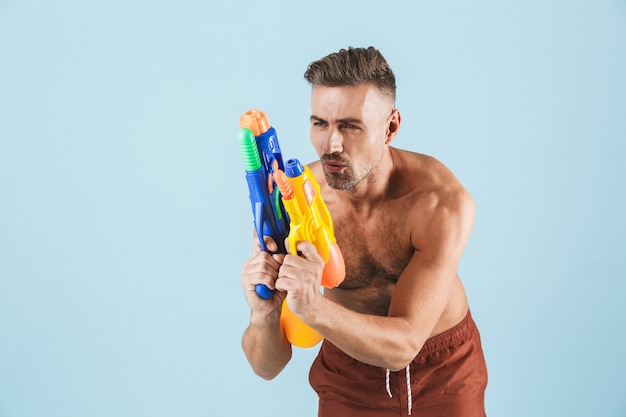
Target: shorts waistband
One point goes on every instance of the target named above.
(454, 336)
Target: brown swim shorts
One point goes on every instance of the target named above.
(447, 378)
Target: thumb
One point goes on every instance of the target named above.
(308, 251)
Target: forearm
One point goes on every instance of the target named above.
(265, 345)
(388, 342)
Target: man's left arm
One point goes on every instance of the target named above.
(421, 294)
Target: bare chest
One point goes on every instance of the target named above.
(373, 256)
(376, 252)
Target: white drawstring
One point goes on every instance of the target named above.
(387, 384)
(408, 387)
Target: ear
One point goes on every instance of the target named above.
(394, 126)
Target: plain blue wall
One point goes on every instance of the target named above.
(124, 216)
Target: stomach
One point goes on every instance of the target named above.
(374, 300)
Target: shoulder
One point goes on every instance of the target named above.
(425, 175)
(429, 170)
(442, 209)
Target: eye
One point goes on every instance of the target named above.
(350, 127)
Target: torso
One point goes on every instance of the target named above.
(377, 247)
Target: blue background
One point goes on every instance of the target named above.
(124, 217)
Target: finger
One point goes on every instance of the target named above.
(267, 280)
(251, 280)
(260, 269)
(261, 258)
(287, 245)
(308, 251)
(270, 244)
(279, 258)
(291, 265)
(284, 284)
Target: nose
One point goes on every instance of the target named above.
(334, 142)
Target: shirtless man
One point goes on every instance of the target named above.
(398, 334)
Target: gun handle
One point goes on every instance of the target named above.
(263, 291)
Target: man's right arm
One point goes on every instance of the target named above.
(264, 342)
(265, 345)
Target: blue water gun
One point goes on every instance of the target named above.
(262, 156)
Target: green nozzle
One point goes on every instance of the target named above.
(249, 150)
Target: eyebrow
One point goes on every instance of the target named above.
(345, 120)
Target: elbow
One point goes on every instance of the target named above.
(268, 373)
(399, 365)
(405, 354)
(267, 359)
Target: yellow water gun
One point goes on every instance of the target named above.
(309, 220)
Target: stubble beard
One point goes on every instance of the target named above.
(349, 178)
(341, 181)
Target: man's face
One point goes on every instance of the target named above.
(349, 130)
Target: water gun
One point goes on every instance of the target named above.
(261, 154)
(311, 221)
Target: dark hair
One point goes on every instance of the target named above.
(352, 67)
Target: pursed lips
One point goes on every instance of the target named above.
(333, 166)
